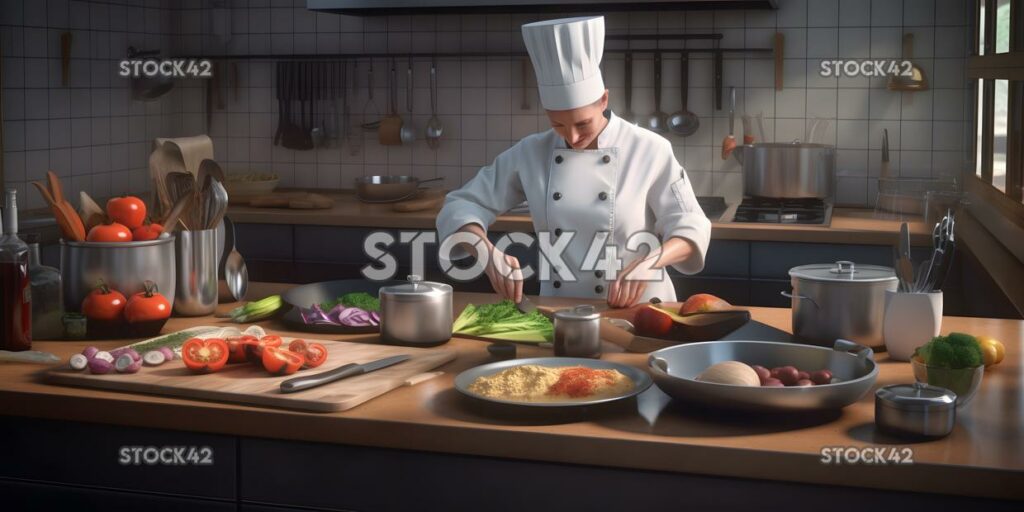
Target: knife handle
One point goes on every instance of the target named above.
(312, 381)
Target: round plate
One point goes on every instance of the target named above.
(640, 379)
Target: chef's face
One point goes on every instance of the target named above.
(580, 126)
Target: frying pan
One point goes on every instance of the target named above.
(388, 189)
(315, 293)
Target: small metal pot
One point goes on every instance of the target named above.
(416, 313)
(124, 266)
(788, 170)
(840, 301)
(576, 332)
(915, 410)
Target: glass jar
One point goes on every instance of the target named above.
(47, 296)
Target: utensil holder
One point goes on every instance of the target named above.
(196, 261)
(911, 320)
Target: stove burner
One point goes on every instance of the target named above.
(782, 211)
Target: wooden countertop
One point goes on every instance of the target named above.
(849, 226)
(984, 456)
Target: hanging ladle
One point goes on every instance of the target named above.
(656, 121)
(684, 122)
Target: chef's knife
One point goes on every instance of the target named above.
(526, 306)
(341, 372)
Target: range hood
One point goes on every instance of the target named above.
(385, 7)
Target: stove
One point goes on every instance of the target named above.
(763, 210)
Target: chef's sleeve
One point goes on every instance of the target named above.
(494, 190)
(677, 213)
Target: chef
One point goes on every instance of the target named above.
(604, 182)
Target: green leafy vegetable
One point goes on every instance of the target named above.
(504, 321)
(958, 350)
(361, 300)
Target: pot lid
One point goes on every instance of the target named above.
(416, 289)
(577, 313)
(843, 271)
(916, 397)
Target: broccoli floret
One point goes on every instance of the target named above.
(958, 350)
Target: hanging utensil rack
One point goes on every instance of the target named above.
(716, 52)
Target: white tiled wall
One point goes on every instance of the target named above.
(480, 101)
(90, 132)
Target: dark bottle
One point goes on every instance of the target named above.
(15, 288)
(47, 295)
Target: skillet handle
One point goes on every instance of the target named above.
(658, 364)
(856, 349)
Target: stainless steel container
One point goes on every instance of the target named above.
(915, 410)
(196, 260)
(416, 313)
(124, 266)
(576, 332)
(788, 170)
(675, 371)
(840, 301)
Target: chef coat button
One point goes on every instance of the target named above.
(558, 231)
(599, 289)
(602, 196)
(606, 159)
(557, 196)
(558, 159)
(557, 284)
(599, 273)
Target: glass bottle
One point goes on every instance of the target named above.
(47, 295)
(15, 288)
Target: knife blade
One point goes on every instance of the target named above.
(526, 306)
(341, 372)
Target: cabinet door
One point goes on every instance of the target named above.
(104, 455)
(22, 495)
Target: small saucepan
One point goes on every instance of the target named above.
(388, 189)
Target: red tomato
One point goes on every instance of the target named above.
(204, 356)
(255, 350)
(147, 232)
(314, 354)
(281, 362)
(147, 306)
(104, 304)
(112, 232)
(127, 210)
(237, 347)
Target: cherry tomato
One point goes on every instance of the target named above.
(205, 356)
(314, 353)
(112, 232)
(104, 304)
(127, 210)
(255, 350)
(147, 232)
(237, 347)
(147, 306)
(281, 362)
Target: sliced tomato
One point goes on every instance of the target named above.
(281, 362)
(237, 347)
(314, 353)
(205, 356)
(255, 350)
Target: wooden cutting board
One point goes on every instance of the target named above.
(248, 383)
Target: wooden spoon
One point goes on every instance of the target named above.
(69, 211)
(90, 211)
(68, 228)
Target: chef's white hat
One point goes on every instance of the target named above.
(566, 56)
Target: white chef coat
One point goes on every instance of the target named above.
(631, 183)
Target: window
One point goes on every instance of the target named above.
(997, 70)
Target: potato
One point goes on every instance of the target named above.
(821, 377)
(804, 382)
(787, 374)
(772, 382)
(762, 373)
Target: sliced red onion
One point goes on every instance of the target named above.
(154, 358)
(168, 353)
(90, 352)
(79, 362)
(125, 350)
(104, 355)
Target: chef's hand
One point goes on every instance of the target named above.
(505, 274)
(631, 282)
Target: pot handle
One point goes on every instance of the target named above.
(856, 349)
(658, 363)
(789, 295)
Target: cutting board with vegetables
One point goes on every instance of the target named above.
(248, 383)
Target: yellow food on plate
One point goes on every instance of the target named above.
(535, 383)
(992, 350)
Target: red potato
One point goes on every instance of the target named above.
(802, 375)
(772, 382)
(821, 377)
(787, 374)
(804, 383)
(762, 373)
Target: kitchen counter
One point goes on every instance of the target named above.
(984, 456)
(848, 226)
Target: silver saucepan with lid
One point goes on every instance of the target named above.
(840, 300)
(416, 313)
